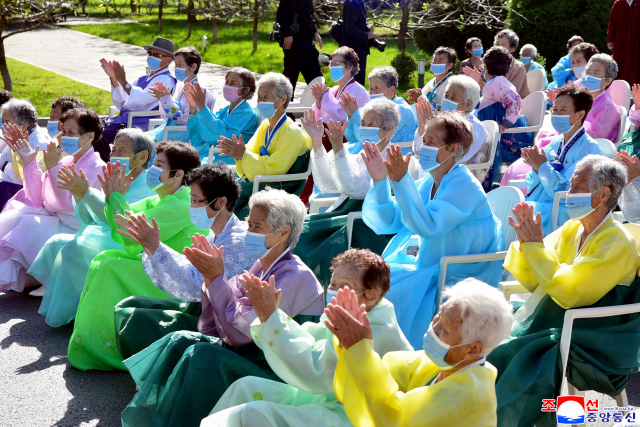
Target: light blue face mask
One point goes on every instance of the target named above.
(200, 217)
(153, 63)
(525, 60)
(71, 144)
(336, 73)
(448, 105)
(578, 71)
(267, 109)
(124, 161)
(52, 128)
(436, 349)
(330, 294)
(427, 158)
(591, 83)
(254, 244)
(153, 177)
(368, 133)
(375, 96)
(181, 74)
(478, 52)
(438, 68)
(579, 205)
(561, 123)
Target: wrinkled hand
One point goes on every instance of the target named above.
(635, 90)
(196, 94)
(51, 155)
(317, 90)
(397, 166)
(24, 150)
(534, 157)
(632, 164)
(263, 296)
(12, 133)
(232, 147)
(206, 258)
(424, 111)
(372, 35)
(335, 132)
(114, 179)
(69, 179)
(414, 94)
(501, 129)
(348, 104)
(348, 300)
(313, 127)
(528, 228)
(474, 73)
(349, 329)
(373, 161)
(137, 227)
(108, 68)
(159, 91)
(318, 41)
(551, 94)
(121, 75)
(287, 42)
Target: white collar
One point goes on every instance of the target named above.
(578, 248)
(603, 92)
(630, 2)
(563, 144)
(263, 275)
(476, 363)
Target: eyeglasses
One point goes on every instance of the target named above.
(156, 55)
(195, 202)
(336, 63)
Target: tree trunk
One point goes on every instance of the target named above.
(160, 4)
(404, 24)
(256, 14)
(191, 18)
(214, 24)
(132, 3)
(4, 69)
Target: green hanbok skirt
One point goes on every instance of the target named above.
(631, 143)
(604, 352)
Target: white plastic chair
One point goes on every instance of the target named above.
(113, 111)
(133, 114)
(622, 126)
(533, 107)
(351, 217)
(212, 150)
(317, 203)
(518, 183)
(493, 138)
(535, 81)
(167, 129)
(306, 100)
(607, 146)
(279, 178)
(621, 93)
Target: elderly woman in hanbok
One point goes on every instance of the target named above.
(303, 356)
(171, 372)
(631, 141)
(117, 274)
(206, 128)
(553, 166)
(449, 384)
(383, 83)
(62, 264)
(278, 147)
(571, 66)
(21, 113)
(603, 118)
(176, 109)
(141, 320)
(432, 208)
(42, 209)
(442, 65)
(528, 55)
(590, 262)
(630, 197)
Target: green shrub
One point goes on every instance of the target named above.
(405, 65)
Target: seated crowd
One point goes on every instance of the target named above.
(232, 301)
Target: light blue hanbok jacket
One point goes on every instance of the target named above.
(561, 72)
(205, 128)
(457, 221)
(406, 128)
(543, 185)
(63, 262)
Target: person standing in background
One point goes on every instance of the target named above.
(356, 33)
(624, 40)
(298, 34)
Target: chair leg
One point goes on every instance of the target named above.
(574, 391)
(621, 399)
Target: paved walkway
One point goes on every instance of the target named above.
(77, 55)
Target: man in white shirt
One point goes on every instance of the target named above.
(135, 96)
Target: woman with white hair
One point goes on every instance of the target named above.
(528, 54)
(448, 384)
(62, 264)
(433, 208)
(171, 385)
(383, 82)
(590, 262)
(21, 113)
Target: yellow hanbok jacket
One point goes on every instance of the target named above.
(396, 390)
(575, 279)
(287, 144)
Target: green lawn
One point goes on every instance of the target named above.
(41, 87)
(235, 41)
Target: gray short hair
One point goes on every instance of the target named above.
(387, 74)
(604, 172)
(23, 111)
(284, 209)
(387, 110)
(610, 65)
(486, 315)
(509, 35)
(280, 85)
(529, 46)
(470, 88)
(141, 142)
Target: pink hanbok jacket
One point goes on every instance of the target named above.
(330, 108)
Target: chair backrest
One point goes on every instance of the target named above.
(535, 80)
(621, 93)
(307, 98)
(502, 201)
(493, 137)
(607, 146)
(622, 125)
(634, 229)
(533, 107)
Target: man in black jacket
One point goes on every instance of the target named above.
(298, 33)
(358, 34)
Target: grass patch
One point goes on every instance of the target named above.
(41, 87)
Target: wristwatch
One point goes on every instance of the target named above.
(127, 86)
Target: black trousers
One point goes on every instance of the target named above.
(362, 61)
(301, 60)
